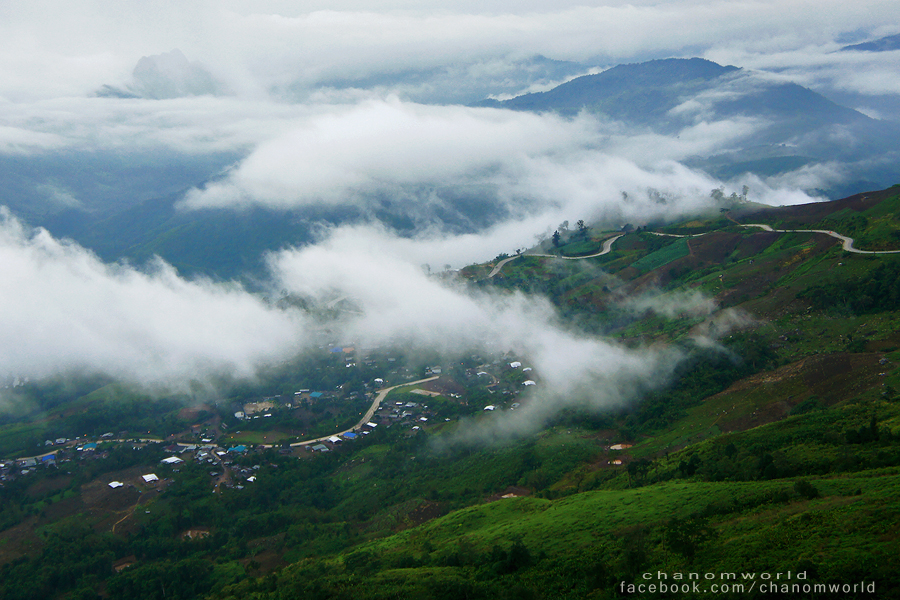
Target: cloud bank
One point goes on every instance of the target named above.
(64, 311)
(534, 170)
(384, 144)
(314, 103)
(286, 67)
(53, 48)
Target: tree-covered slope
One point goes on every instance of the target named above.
(775, 449)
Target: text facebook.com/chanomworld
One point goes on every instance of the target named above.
(723, 583)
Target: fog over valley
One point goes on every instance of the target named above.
(488, 300)
(172, 171)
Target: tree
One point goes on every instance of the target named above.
(555, 238)
(638, 469)
(582, 228)
(806, 489)
(686, 536)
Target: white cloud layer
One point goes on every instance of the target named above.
(307, 138)
(399, 304)
(64, 311)
(382, 144)
(59, 48)
(55, 55)
(536, 167)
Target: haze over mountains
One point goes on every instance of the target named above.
(214, 209)
(732, 124)
(885, 44)
(162, 76)
(277, 130)
(786, 127)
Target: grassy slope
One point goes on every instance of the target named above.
(729, 461)
(605, 529)
(583, 545)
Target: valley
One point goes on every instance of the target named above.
(486, 300)
(773, 447)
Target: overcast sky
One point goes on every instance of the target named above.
(56, 48)
(317, 98)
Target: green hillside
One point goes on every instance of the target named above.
(774, 455)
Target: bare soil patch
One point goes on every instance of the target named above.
(512, 491)
(426, 512)
(443, 386)
(190, 413)
(812, 213)
(830, 377)
(48, 485)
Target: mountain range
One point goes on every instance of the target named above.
(774, 449)
(794, 126)
(781, 128)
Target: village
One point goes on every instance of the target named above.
(225, 435)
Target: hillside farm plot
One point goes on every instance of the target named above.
(663, 256)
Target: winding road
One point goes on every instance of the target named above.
(605, 249)
(846, 242)
(366, 417)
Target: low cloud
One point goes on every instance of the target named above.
(819, 66)
(379, 145)
(538, 169)
(722, 323)
(195, 125)
(64, 311)
(21, 140)
(397, 303)
(591, 375)
(671, 305)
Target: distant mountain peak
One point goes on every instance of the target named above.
(636, 92)
(787, 125)
(885, 44)
(651, 93)
(666, 71)
(167, 75)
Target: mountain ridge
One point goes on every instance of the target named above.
(793, 126)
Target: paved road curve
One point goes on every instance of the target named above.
(366, 417)
(846, 242)
(605, 249)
